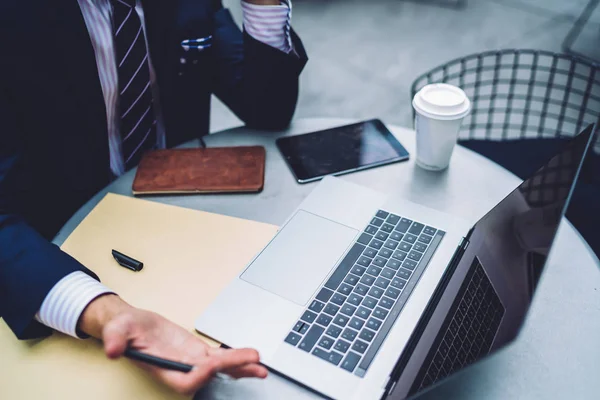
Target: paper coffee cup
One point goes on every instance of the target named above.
(440, 109)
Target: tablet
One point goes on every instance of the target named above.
(341, 150)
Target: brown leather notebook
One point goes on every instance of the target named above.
(211, 170)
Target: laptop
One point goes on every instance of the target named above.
(360, 296)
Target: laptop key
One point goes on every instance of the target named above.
(326, 342)
(354, 299)
(373, 324)
(358, 270)
(330, 356)
(399, 255)
(360, 346)
(403, 225)
(350, 361)
(376, 292)
(405, 247)
(369, 302)
(311, 337)
(391, 244)
(425, 238)
(388, 273)
(341, 320)
(392, 292)
(367, 279)
(393, 264)
(364, 261)
(416, 228)
(382, 236)
(385, 253)
(393, 219)
(380, 313)
(334, 331)
(409, 264)
(377, 222)
(349, 334)
(366, 335)
(342, 346)
(382, 214)
(351, 279)
(373, 270)
(382, 282)
(371, 230)
(324, 295)
(298, 326)
(364, 238)
(356, 323)
(324, 319)
(379, 261)
(386, 303)
(309, 317)
(415, 255)
(293, 338)
(316, 306)
(370, 252)
(420, 247)
(345, 289)
(403, 273)
(376, 244)
(363, 312)
(397, 236)
(410, 238)
(361, 289)
(331, 309)
(348, 309)
(429, 230)
(338, 299)
(398, 283)
(387, 228)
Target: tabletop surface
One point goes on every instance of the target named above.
(555, 356)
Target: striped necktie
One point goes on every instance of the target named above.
(138, 122)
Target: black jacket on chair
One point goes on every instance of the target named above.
(53, 129)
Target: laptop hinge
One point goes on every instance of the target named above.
(426, 316)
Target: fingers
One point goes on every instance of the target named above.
(247, 371)
(115, 336)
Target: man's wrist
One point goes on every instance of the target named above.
(264, 2)
(99, 312)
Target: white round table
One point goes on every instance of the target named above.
(557, 354)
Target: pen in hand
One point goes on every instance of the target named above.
(157, 361)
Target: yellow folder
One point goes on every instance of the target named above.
(188, 256)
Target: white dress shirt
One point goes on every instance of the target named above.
(64, 304)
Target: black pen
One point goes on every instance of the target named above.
(157, 361)
(127, 262)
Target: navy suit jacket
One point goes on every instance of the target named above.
(53, 129)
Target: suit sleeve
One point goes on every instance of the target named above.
(29, 264)
(258, 82)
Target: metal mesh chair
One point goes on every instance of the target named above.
(525, 103)
(519, 94)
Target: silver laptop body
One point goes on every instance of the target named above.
(282, 301)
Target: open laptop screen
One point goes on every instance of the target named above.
(489, 294)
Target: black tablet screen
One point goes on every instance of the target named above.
(341, 150)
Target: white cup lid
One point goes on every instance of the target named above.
(442, 101)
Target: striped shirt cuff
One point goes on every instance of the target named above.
(269, 24)
(64, 304)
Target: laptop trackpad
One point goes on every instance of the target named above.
(300, 257)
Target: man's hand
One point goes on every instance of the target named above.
(264, 2)
(119, 325)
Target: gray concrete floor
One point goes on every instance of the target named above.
(365, 54)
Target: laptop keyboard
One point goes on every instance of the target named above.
(468, 331)
(347, 321)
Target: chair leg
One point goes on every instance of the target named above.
(578, 27)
